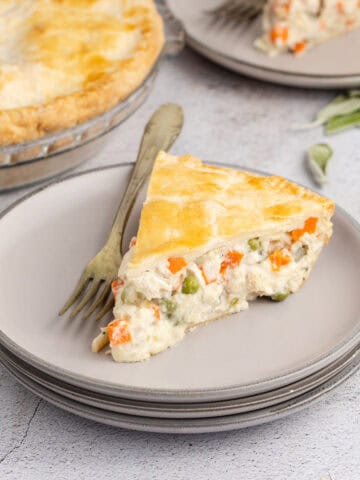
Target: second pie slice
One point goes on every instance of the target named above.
(210, 240)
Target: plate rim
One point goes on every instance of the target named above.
(173, 394)
(189, 426)
(309, 76)
(166, 410)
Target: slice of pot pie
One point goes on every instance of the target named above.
(210, 239)
(63, 62)
(296, 25)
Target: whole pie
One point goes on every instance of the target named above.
(210, 239)
(63, 62)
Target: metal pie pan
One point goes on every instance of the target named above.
(31, 162)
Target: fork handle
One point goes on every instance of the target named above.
(160, 133)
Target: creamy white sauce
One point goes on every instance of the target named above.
(253, 277)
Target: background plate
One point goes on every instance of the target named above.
(46, 240)
(332, 64)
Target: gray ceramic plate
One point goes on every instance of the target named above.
(46, 239)
(181, 410)
(334, 64)
(199, 425)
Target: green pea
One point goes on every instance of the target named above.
(254, 243)
(169, 305)
(300, 253)
(123, 296)
(190, 285)
(279, 297)
(234, 301)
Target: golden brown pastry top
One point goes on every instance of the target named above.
(65, 61)
(192, 207)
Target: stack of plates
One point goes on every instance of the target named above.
(247, 369)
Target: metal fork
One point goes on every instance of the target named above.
(239, 11)
(160, 133)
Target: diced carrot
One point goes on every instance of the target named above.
(232, 259)
(281, 8)
(299, 47)
(274, 35)
(279, 259)
(118, 332)
(176, 264)
(340, 7)
(205, 277)
(133, 242)
(279, 33)
(311, 224)
(322, 25)
(156, 310)
(115, 285)
(285, 34)
(309, 227)
(287, 6)
(223, 267)
(350, 23)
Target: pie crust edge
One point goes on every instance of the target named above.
(195, 225)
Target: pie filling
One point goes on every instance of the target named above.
(296, 25)
(155, 307)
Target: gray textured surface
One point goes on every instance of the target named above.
(231, 119)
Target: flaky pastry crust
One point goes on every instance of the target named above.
(106, 81)
(192, 207)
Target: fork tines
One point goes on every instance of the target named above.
(239, 11)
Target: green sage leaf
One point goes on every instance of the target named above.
(319, 156)
(339, 106)
(354, 93)
(343, 122)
